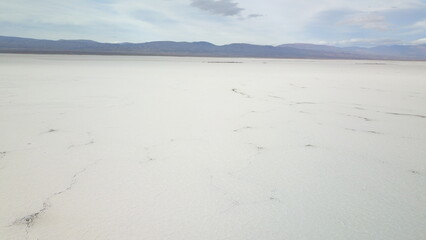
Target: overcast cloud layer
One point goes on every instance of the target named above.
(340, 22)
(221, 7)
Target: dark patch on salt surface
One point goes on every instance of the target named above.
(52, 130)
(416, 172)
(272, 196)
(49, 131)
(29, 219)
(309, 145)
(2, 154)
(374, 132)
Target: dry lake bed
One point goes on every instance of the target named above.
(129, 148)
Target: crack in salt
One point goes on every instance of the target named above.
(241, 93)
(81, 145)
(91, 141)
(301, 103)
(249, 159)
(364, 131)
(243, 128)
(293, 85)
(30, 219)
(407, 114)
(277, 97)
(355, 116)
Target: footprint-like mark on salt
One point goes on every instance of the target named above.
(416, 172)
(272, 196)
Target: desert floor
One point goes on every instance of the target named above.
(126, 148)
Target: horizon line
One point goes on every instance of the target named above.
(218, 45)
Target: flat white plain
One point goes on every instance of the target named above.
(114, 147)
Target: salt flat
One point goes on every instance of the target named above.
(109, 147)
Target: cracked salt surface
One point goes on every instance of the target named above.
(191, 150)
(30, 219)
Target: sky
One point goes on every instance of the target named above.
(268, 22)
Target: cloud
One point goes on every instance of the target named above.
(367, 42)
(151, 17)
(233, 20)
(368, 27)
(220, 7)
(420, 41)
(367, 21)
(420, 25)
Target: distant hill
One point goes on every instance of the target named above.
(168, 48)
(403, 52)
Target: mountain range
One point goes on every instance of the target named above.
(206, 49)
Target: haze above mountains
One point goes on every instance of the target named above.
(206, 49)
